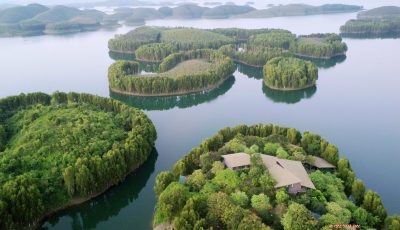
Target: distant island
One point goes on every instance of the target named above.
(378, 21)
(299, 10)
(264, 177)
(62, 149)
(35, 19)
(289, 74)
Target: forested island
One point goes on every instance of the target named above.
(36, 19)
(62, 149)
(289, 74)
(378, 21)
(299, 10)
(245, 178)
(179, 73)
(249, 46)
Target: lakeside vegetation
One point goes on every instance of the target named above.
(214, 197)
(378, 21)
(62, 149)
(289, 73)
(175, 76)
(300, 9)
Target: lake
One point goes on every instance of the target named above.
(355, 105)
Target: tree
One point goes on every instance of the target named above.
(281, 196)
(162, 181)
(252, 222)
(217, 166)
(228, 179)
(358, 191)
(281, 153)
(3, 138)
(260, 202)
(240, 198)
(363, 218)
(331, 154)
(373, 204)
(197, 180)
(298, 217)
(267, 181)
(172, 200)
(206, 162)
(270, 148)
(390, 220)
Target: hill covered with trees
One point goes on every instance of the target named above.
(215, 197)
(38, 19)
(289, 73)
(62, 149)
(225, 11)
(382, 20)
(299, 9)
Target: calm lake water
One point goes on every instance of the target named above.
(355, 105)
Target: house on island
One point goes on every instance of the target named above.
(320, 164)
(287, 173)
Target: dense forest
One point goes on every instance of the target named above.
(318, 45)
(381, 20)
(61, 149)
(226, 11)
(289, 73)
(123, 76)
(213, 197)
(298, 10)
(132, 40)
(155, 52)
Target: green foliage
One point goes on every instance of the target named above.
(155, 52)
(358, 191)
(346, 174)
(62, 151)
(298, 217)
(289, 73)
(331, 154)
(281, 153)
(318, 45)
(240, 198)
(371, 26)
(373, 204)
(271, 148)
(162, 181)
(279, 39)
(363, 218)
(392, 222)
(3, 138)
(382, 11)
(260, 202)
(172, 200)
(134, 39)
(225, 11)
(216, 167)
(281, 196)
(227, 179)
(196, 181)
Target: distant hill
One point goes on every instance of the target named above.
(380, 12)
(19, 13)
(188, 11)
(64, 13)
(115, 3)
(147, 13)
(225, 11)
(299, 9)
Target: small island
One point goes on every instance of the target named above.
(379, 21)
(63, 149)
(264, 177)
(179, 73)
(289, 74)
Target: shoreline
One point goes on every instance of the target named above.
(177, 93)
(326, 58)
(288, 89)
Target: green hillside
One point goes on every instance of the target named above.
(19, 13)
(147, 13)
(225, 11)
(300, 9)
(188, 11)
(383, 11)
(63, 13)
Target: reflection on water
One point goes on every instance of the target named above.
(170, 102)
(288, 97)
(251, 72)
(147, 66)
(326, 63)
(372, 35)
(89, 214)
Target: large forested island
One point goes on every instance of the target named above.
(381, 20)
(266, 177)
(289, 74)
(62, 149)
